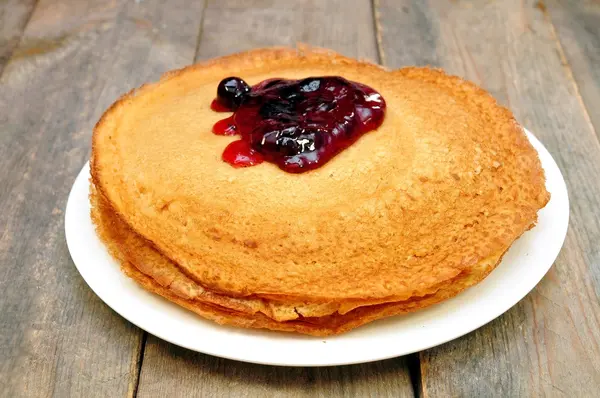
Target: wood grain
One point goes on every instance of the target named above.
(172, 371)
(62, 62)
(231, 26)
(549, 344)
(577, 24)
(14, 15)
(57, 338)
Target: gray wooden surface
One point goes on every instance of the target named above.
(62, 62)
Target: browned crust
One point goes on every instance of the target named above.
(323, 326)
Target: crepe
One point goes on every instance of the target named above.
(410, 215)
(140, 261)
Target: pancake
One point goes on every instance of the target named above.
(133, 250)
(141, 262)
(409, 215)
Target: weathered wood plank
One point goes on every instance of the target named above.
(14, 15)
(172, 371)
(577, 24)
(549, 344)
(56, 337)
(231, 26)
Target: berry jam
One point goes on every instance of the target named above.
(240, 154)
(225, 127)
(217, 106)
(297, 124)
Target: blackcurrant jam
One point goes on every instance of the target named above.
(297, 124)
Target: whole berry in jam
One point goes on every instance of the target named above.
(231, 92)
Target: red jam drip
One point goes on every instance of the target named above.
(225, 127)
(240, 154)
(217, 106)
(297, 124)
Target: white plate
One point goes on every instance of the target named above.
(522, 268)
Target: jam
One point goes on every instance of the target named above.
(297, 124)
(240, 154)
(225, 127)
(217, 106)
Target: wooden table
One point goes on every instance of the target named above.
(62, 62)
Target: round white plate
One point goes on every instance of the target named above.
(522, 268)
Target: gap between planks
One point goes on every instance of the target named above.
(136, 366)
(377, 32)
(19, 41)
(200, 31)
(567, 67)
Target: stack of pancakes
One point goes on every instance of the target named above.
(408, 216)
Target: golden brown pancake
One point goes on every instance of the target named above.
(140, 261)
(133, 250)
(409, 215)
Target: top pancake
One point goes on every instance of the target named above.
(447, 181)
